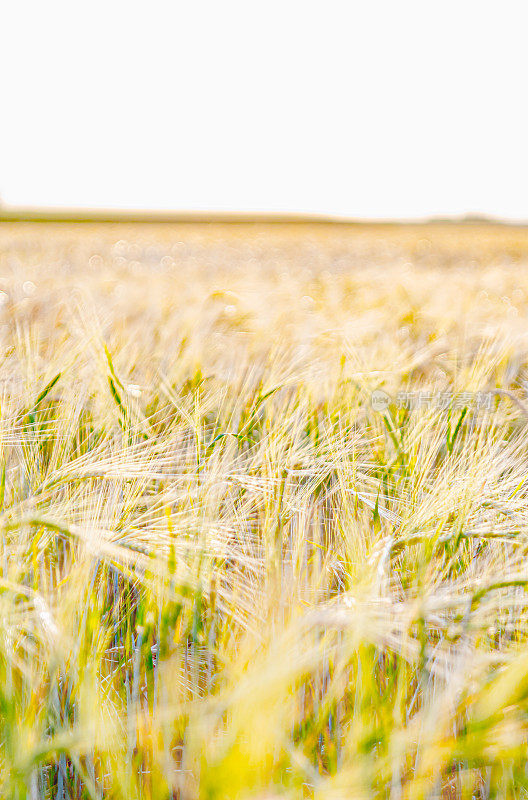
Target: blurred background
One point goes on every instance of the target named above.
(362, 110)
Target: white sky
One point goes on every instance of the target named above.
(362, 109)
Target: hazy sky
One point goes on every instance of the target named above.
(363, 109)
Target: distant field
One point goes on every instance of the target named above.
(264, 524)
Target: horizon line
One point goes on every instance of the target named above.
(153, 216)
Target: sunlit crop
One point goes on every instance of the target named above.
(226, 570)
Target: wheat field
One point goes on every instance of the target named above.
(264, 511)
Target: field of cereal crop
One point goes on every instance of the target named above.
(227, 571)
